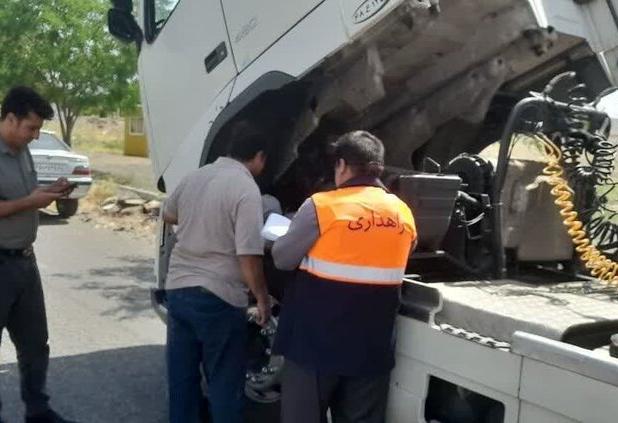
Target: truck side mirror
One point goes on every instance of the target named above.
(122, 25)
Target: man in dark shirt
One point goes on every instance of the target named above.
(22, 308)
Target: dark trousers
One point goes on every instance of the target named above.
(205, 332)
(307, 395)
(22, 313)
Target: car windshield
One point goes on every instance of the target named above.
(48, 142)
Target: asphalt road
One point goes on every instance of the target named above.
(107, 345)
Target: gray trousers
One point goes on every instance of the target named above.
(22, 313)
(308, 395)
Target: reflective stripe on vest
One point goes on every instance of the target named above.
(351, 273)
(365, 236)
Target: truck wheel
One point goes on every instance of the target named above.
(66, 208)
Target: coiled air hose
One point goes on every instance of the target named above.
(599, 265)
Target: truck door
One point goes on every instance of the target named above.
(184, 63)
(254, 25)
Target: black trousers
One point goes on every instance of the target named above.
(22, 313)
(308, 395)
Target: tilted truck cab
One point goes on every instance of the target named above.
(499, 322)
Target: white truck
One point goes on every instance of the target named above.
(499, 320)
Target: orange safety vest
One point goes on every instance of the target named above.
(365, 237)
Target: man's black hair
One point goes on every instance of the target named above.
(246, 141)
(22, 101)
(362, 151)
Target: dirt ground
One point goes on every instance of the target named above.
(92, 210)
(137, 226)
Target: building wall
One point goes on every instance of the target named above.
(135, 143)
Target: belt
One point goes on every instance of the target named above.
(26, 252)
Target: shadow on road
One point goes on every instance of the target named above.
(136, 268)
(126, 283)
(122, 385)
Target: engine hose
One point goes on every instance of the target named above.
(572, 148)
(595, 261)
(603, 153)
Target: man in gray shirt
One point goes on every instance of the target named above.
(22, 308)
(216, 261)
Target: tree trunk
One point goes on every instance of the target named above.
(67, 117)
(68, 136)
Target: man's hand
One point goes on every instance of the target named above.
(40, 198)
(169, 218)
(264, 311)
(61, 186)
(253, 273)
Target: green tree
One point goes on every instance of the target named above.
(63, 49)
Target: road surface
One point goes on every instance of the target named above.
(107, 346)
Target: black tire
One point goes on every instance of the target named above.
(66, 208)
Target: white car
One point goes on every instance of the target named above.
(53, 159)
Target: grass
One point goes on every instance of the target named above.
(94, 134)
(101, 190)
(612, 195)
(118, 179)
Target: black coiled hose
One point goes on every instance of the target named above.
(588, 159)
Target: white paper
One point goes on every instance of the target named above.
(275, 227)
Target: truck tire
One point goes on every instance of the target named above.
(66, 208)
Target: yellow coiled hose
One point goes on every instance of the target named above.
(598, 264)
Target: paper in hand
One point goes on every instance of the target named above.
(276, 226)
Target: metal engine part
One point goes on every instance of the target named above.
(264, 369)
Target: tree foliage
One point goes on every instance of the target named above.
(63, 49)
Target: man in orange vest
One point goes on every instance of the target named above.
(336, 331)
